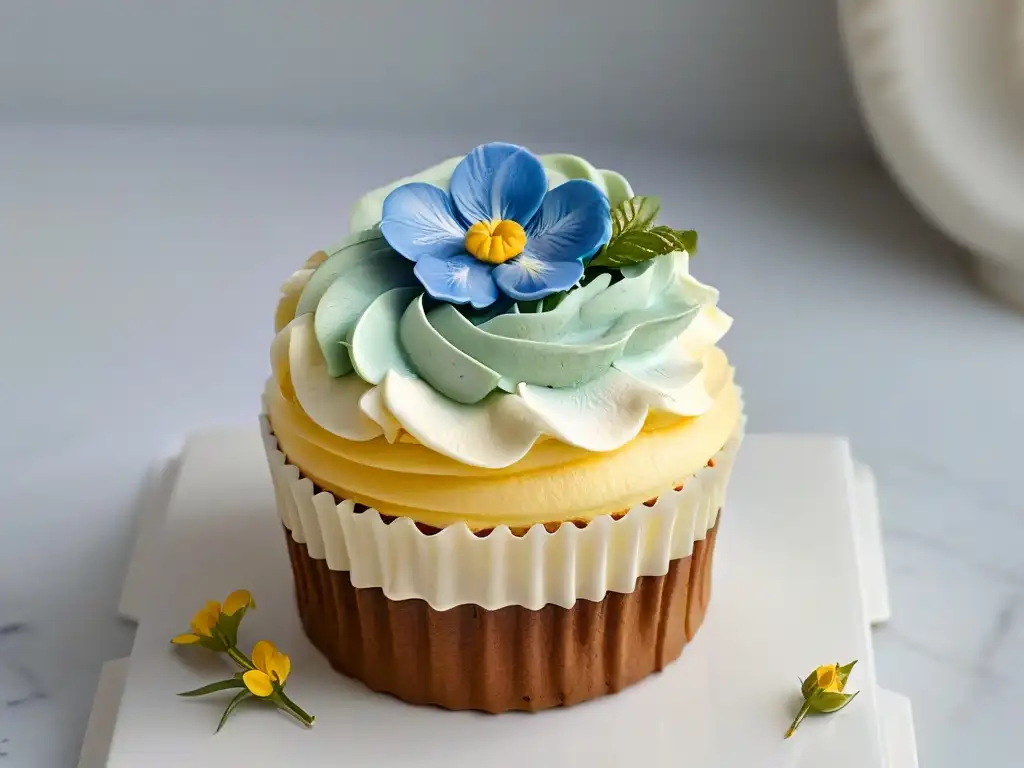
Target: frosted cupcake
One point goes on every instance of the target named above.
(500, 433)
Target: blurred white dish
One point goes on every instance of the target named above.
(940, 83)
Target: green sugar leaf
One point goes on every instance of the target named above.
(636, 214)
(638, 246)
(684, 239)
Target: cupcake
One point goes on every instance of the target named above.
(500, 434)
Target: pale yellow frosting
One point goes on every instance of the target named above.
(553, 482)
(531, 569)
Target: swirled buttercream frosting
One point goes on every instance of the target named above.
(497, 329)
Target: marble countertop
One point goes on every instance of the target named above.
(139, 267)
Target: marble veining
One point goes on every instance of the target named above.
(871, 304)
(35, 691)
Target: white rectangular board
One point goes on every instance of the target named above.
(787, 597)
(867, 528)
(100, 729)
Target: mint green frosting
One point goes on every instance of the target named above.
(371, 316)
(439, 362)
(371, 341)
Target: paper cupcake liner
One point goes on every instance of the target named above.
(455, 567)
(511, 658)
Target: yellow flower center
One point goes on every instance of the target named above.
(495, 241)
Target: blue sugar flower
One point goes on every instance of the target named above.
(498, 228)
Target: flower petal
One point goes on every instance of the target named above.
(187, 639)
(498, 181)
(206, 618)
(258, 683)
(573, 222)
(561, 168)
(527, 277)
(262, 654)
(278, 667)
(828, 679)
(458, 280)
(419, 221)
(238, 600)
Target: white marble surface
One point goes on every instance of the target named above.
(138, 270)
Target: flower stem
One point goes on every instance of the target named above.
(294, 710)
(799, 718)
(239, 658)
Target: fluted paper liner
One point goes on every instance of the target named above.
(511, 658)
(501, 621)
(454, 567)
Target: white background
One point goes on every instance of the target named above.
(163, 166)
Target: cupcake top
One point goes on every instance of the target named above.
(493, 315)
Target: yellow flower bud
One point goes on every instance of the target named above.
(828, 678)
(823, 692)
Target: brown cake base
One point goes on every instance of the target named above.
(511, 658)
